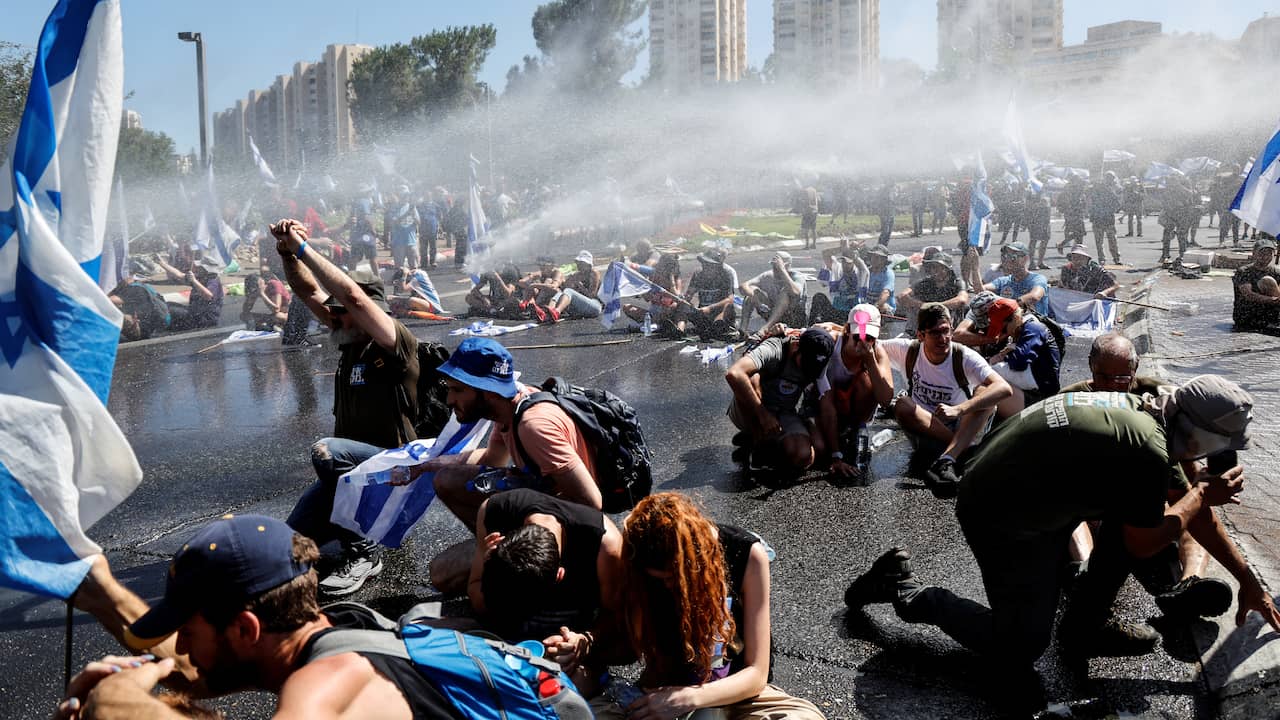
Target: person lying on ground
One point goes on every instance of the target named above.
(577, 297)
(145, 312)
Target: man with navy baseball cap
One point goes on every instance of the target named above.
(549, 454)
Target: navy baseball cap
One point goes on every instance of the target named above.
(231, 560)
(484, 364)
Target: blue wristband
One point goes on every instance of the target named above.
(301, 249)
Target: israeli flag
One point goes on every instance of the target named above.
(477, 226)
(1082, 314)
(264, 170)
(374, 502)
(212, 234)
(421, 285)
(980, 208)
(115, 252)
(1258, 200)
(63, 461)
(619, 281)
(1013, 135)
(1116, 156)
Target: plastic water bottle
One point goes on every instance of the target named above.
(863, 457)
(646, 328)
(881, 438)
(489, 481)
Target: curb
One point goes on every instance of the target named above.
(1240, 666)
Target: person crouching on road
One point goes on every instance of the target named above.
(697, 613)
(769, 386)
(1029, 359)
(857, 379)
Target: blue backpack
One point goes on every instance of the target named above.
(483, 678)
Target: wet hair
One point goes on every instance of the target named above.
(283, 608)
(130, 328)
(674, 628)
(1113, 344)
(931, 315)
(668, 268)
(520, 573)
(509, 273)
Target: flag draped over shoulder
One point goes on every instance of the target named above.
(63, 461)
(980, 207)
(1258, 200)
(619, 281)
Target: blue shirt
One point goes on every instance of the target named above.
(878, 283)
(1006, 286)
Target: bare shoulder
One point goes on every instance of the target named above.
(343, 686)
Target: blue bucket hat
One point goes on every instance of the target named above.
(484, 364)
(229, 561)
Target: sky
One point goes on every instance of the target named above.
(249, 42)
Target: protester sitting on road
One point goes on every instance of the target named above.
(411, 290)
(972, 331)
(577, 297)
(1030, 289)
(939, 285)
(541, 286)
(1254, 309)
(880, 281)
(1029, 357)
(857, 379)
(769, 386)
(145, 311)
(275, 299)
(644, 258)
(497, 295)
(697, 613)
(241, 598)
(950, 397)
(665, 306)
(1113, 366)
(777, 295)
(1017, 512)
(710, 292)
(846, 277)
(481, 379)
(374, 400)
(1083, 274)
(204, 304)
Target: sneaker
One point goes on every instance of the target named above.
(351, 576)
(880, 583)
(1195, 597)
(553, 315)
(944, 479)
(1114, 638)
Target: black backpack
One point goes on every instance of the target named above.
(432, 412)
(609, 424)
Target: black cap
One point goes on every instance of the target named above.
(816, 346)
(231, 560)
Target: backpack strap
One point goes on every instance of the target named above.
(913, 354)
(533, 399)
(957, 368)
(336, 642)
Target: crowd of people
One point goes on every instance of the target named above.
(668, 587)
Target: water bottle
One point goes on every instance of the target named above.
(863, 457)
(881, 438)
(647, 326)
(489, 481)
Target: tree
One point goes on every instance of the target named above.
(397, 86)
(587, 45)
(144, 155)
(15, 77)
(521, 80)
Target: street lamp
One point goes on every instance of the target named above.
(204, 115)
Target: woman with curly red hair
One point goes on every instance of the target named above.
(697, 614)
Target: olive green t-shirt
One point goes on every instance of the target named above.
(1072, 457)
(1140, 385)
(375, 391)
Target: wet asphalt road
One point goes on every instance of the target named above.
(228, 431)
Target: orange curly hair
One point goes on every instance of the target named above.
(667, 533)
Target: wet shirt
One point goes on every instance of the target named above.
(773, 287)
(1248, 314)
(934, 385)
(877, 283)
(926, 290)
(375, 390)
(1006, 286)
(711, 285)
(1025, 477)
(206, 312)
(550, 440)
(782, 382)
(1034, 348)
(1091, 278)
(140, 301)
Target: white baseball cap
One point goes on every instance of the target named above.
(872, 318)
(585, 256)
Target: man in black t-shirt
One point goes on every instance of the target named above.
(1017, 508)
(939, 284)
(1257, 302)
(375, 393)
(710, 295)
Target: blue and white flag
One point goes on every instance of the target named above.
(420, 283)
(63, 461)
(378, 502)
(1013, 135)
(115, 250)
(619, 281)
(1258, 200)
(264, 170)
(213, 236)
(1199, 165)
(980, 208)
(148, 220)
(1160, 171)
(1116, 156)
(477, 227)
(1082, 314)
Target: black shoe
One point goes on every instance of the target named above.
(1114, 638)
(881, 582)
(741, 446)
(942, 477)
(1195, 597)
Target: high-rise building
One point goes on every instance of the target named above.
(1097, 60)
(132, 120)
(1260, 42)
(829, 42)
(995, 34)
(303, 114)
(697, 42)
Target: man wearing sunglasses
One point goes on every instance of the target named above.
(375, 393)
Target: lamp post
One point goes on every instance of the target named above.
(204, 115)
